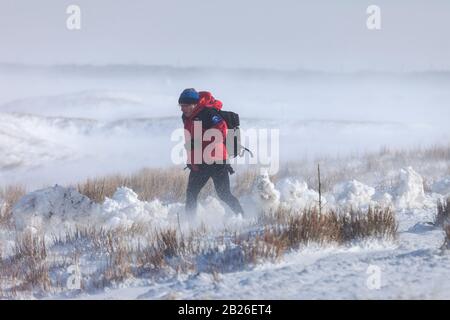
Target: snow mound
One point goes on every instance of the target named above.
(52, 206)
(58, 208)
(124, 209)
(442, 186)
(410, 193)
(354, 194)
(266, 196)
(383, 199)
(296, 194)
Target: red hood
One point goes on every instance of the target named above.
(208, 101)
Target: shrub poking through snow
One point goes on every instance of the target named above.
(375, 222)
(149, 184)
(28, 269)
(296, 228)
(8, 197)
(443, 213)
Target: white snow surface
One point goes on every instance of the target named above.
(412, 267)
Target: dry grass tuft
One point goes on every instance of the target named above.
(28, 269)
(8, 197)
(149, 184)
(292, 229)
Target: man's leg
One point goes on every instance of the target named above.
(221, 179)
(197, 180)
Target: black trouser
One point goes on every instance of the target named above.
(220, 176)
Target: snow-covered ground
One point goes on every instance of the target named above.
(412, 266)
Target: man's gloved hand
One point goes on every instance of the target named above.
(193, 167)
(230, 169)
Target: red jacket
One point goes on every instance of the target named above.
(206, 112)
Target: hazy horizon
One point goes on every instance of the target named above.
(286, 35)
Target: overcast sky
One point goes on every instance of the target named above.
(320, 34)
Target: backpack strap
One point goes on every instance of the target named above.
(243, 149)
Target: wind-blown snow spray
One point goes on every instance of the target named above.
(296, 194)
(410, 192)
(266, 197)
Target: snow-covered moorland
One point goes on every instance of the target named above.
(381, 140)
(59, 243)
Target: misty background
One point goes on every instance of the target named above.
(321, 35)
(103, 99)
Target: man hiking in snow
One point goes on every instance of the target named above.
(201, 111)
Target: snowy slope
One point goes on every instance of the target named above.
(59, 144)
(63, 120)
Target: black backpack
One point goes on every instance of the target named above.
(233, 139)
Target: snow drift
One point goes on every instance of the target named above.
(51, 207)
(57, 207)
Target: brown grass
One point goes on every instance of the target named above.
(28, 269)
(166, 185)
(10, 195)
(149, 184)
(266, 246)
(292, 228)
